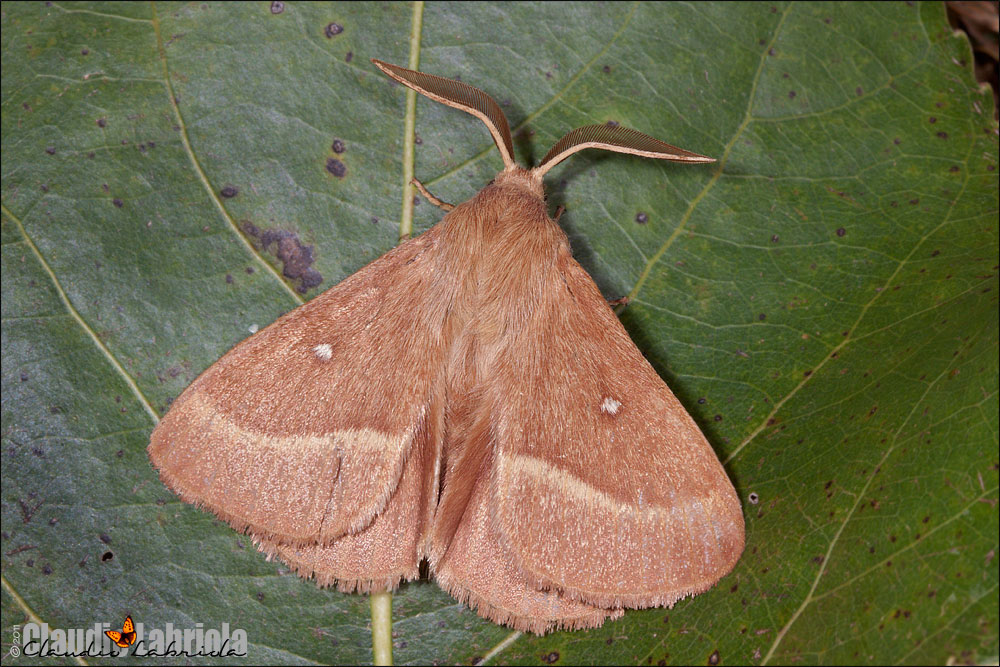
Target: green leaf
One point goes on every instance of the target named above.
(823, 299)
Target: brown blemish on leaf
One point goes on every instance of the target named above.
(336, 167)
(117, 202)
(229, 191)
(551, 657)
(277, 7)
(107, 556)
(338, 146)
(296, 258)
(332, 30)
(641, 218)
(714, 658)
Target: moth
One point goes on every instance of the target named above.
(468, 398)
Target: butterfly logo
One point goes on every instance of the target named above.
(126, 637)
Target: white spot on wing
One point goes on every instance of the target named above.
(323, 351)
(610, 406)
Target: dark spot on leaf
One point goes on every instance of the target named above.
(827, 20)
(107, 556)
(914, 202)
(791, 94)
(753, 498)
(84, 52)
(24, 376)
(807, 373)
(702, 400)
(734, 588)
(338, 146)
(717, 418)
(774, 238)
(101, 122)
(926, 519)
(714, 658)
(892, 538)
(762, 317)
(117, 202)
(30, 562)
(349, 56)
(772, 52)
(277, 7)
(260, 596)
(935, 253)
(817, 559)
(120, 453)
(417, 140)
(53, 521)
(336, 167)
(942, 135)
(954, 169)
(612, 123)
(858, 91)
(332, 30)
(229, 279)
(641, 218)
(296, 258)
(551, 657)
(841, 231)
(46, 569)
(932, 120)
(51, 150)
(229, 192)
(250, 270)
(606, 69)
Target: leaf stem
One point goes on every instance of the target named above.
(409, 124)
(382, 628)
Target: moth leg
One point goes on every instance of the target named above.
(559, 211)
(620, 301)
(445, 206)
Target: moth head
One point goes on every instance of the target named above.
(474, 101)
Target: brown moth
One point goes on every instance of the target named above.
(469, 398)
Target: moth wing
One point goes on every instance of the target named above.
(478, 571)
(391, 547)
(604, 487)
(300, 433)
